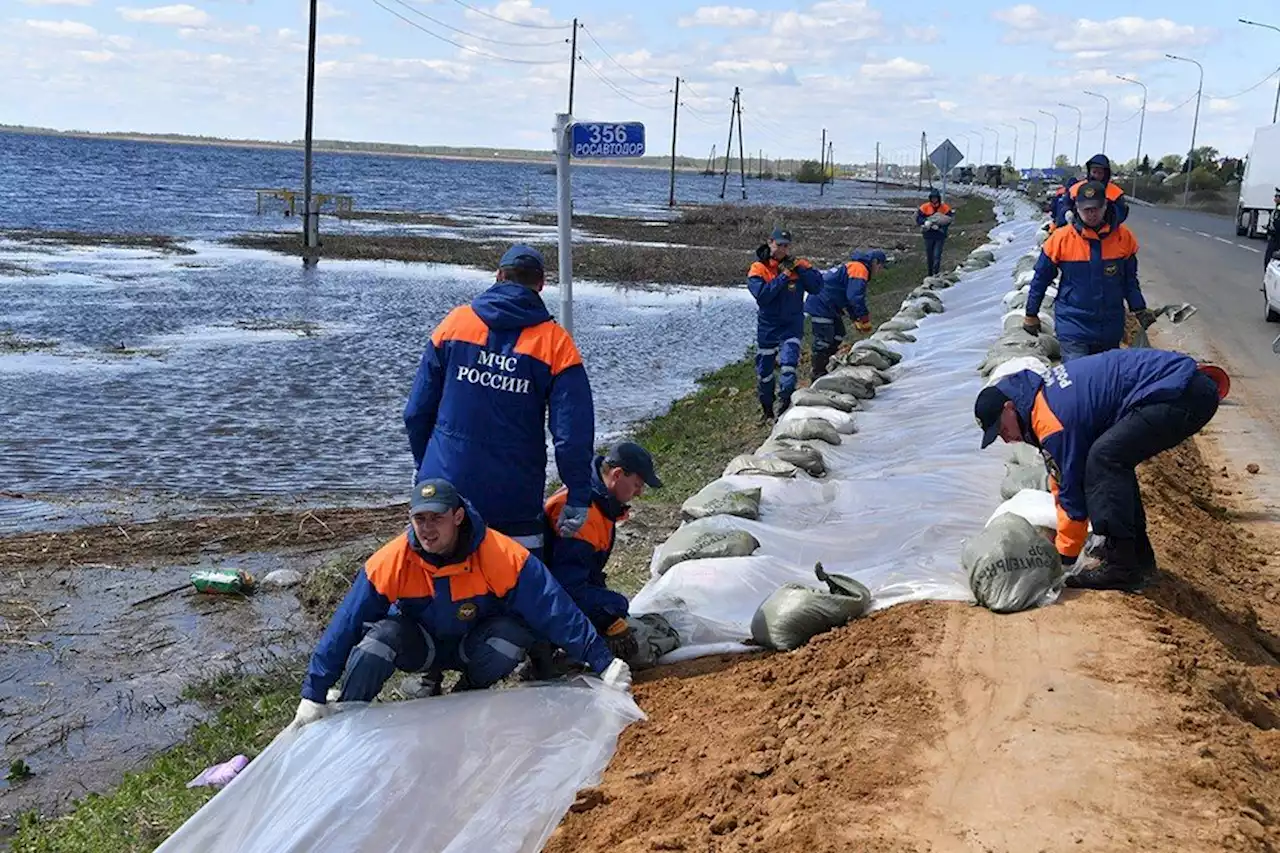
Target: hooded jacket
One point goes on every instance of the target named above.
(780, 297)
(1118, 209)
(578, 562)
(844, 289)
(929, 209)
(488, 575)
(476, 414)
(1099, 276)
(1065, 414)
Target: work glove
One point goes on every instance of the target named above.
(621, 640)
(617, 676)
(571, 520)
(1031, 325)
(762, 253)
(863, 324)
(1146, 317)
(308, 712)
(787, 265)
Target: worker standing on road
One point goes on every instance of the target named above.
(1273, 234)
(779, 283)
(447, 594)
(1099, 169)
(1094, 421)
(477, 413)
(844, 291)
(1098, 261)
(578, 561)
(934, 219)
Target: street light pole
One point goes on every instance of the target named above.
(1195, 122)
(1141, 123)
(1106, 118)
(1275, 111)
(1053, 153)
(1079, 121)
(997, 151)
(1015, 144)
(1035, 138)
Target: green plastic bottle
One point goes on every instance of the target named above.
(223, 581)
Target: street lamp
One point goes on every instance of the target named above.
(1141, 122)
(1035, 137)
(1014, 159)
(997, 151)
(1186, 187)
(1053, 153)
(1106, 118)
(1079, 121)
(1275, 111)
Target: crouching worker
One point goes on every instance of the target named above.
(844, 291)
(447, 594)
(578, 561)
(1094, 420)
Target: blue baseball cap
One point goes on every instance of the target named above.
(521, 256)
(633, 459)
(434, 496)
(780, 236)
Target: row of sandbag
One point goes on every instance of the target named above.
(1013, 564)
(821, 416)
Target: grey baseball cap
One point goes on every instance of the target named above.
(434, 496)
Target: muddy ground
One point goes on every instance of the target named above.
(1105, 722)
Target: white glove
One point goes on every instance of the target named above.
(571, 520)
(308, 712)
(617, 676)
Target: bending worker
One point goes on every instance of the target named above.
(844, 291)
(1099, 266)
(476, 415)
(578, 561)
(1098, 168)
(447, 594)
(779, 282)
(1094, 420)
(934, 218)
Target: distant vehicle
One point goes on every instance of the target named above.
(964, 175)
(1261, 177)
(1271, 292)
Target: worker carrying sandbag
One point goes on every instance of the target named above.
(447, 594)
(578, 561)
(934, 219)
(1094, 420)
(1098, 169)
(779, 282)
(843, 291)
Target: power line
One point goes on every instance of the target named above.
(1246, 91)
(645, 80)
(415, 10)
(439, 37)
(617, 90)
(525, 24)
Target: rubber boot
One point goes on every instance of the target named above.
(1121, 569)
(766, 412)
(784, 403)
(821, 360)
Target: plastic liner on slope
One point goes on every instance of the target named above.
(898, 498)
(491, 770)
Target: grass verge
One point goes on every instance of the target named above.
(691, 444)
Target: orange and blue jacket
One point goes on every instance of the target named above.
(1066, 413)
(578, 561)
(489, 575)
(929, 209)
(476, 414)
(844, 290)
(1117, 213)
(1099, 275)
(780, 296)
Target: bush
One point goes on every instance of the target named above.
(1202, 180)
(810, 172)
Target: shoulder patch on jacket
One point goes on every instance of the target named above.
(461, 324)
(550, 344)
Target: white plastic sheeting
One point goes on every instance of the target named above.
(491, 770)
(899, 496)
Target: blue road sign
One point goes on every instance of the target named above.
(607, 139)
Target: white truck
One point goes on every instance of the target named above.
(1261, 178)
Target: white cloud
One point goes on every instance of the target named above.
(897, 68)
(338, 40)
(1130, 33)
(922, 35)
(181, 15)
(96, 57)
(326, 11)
(221, 35)
(1221, 106)
(63, 29)
(1024, 17)
(758, 71)
(58, 2)
(730, 17)
(523, 11)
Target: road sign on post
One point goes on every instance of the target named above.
(608, 139)
(946, 157)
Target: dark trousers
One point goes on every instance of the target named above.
(933, 251)
(1079, 349)
(827, 337)
(1111, 482)
(1273, 244)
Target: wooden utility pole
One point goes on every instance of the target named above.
(733, 114)
(711, 162)
(741, 162)
(310, 236)
(877, 168)
(920, 177)
(675, 118)
(573, 61)
(831, 161)
(822, 165)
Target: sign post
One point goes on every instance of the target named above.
(946, 157)
(598, 139)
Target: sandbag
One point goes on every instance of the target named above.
(939, 282)
(812, 397)
(1026, 263)
(864, 357)
(759, 465)
(844, 422)
(722, 498)
(1037, 363)
(863, 373)
(803, 429)
(1024, 454)
(843, 383)
(894, 337)
(1011, 567)
(805, 457)
(897, 324)
(654, 638)
(702, 539)
(1037, 508)
(1023, 278)
(794, 613)
(981, 254)
(881, 347)
(1019, 477)
(911, 312)
(950, 277)
(1012, 321)
(926, 304)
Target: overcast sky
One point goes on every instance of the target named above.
(867, 70)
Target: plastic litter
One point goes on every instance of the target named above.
(723, 498)
(1011, 567)
(219, 775)
(702, 539)
(222, 581)
(795, 613)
